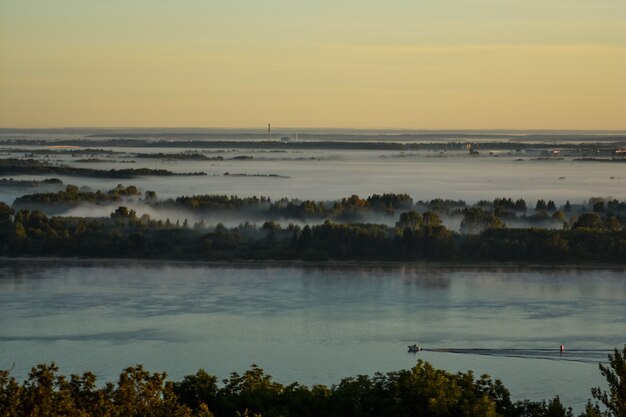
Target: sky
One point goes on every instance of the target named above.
(393, 64)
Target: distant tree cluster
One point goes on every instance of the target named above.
(346, 209)
(12, 183)
(416, 236)
(73, 196)
(473, 219)
(35, 167)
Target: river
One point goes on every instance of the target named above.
(315, 324)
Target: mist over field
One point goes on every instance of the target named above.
(321, 175)
(331, 174)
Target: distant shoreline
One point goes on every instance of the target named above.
(374, 143)
(348, 264)
(287, 137)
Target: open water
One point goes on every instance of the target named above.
(315, 324)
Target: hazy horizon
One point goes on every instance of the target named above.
(486, 64)
(309, 129)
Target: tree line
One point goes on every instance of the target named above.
(12, 166)
(474, 218)
(415, 237)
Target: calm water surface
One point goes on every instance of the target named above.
(314, 324)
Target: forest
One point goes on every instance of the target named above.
(354, 209)
(415, 237)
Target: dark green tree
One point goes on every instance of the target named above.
(541, 205)
(410, 219)
(431, 219)
(520, 205)
(197, 389)
(588, 221)
(615, 374)
(475, 220)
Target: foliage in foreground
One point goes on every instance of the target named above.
(420, 391)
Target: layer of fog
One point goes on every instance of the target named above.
(181, 215)
(336, 174)
(258, 216)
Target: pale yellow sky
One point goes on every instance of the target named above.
(454, 64)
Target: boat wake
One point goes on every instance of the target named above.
(576, 355)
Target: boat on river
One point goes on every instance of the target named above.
(414, 348)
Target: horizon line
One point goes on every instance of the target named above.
(264, 129)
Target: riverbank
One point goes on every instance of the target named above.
(331, 264)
